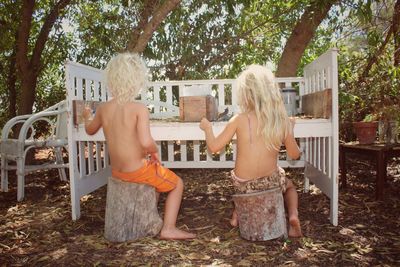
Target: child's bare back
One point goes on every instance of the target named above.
(126, 129)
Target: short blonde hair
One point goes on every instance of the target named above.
(126, 74)
(257, 91)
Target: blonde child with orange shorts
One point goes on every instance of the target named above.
(261, 128)
(126, 126)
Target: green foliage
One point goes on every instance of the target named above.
(369, 118)
(376, 92)
(212, 39)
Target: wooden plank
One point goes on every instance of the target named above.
(78, 106)
(318, 104)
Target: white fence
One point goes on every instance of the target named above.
(182, 145)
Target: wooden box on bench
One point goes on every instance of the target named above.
(194, 108)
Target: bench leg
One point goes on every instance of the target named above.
(4, 173)
(21, 179)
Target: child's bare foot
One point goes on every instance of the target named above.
(176, 234)
(294, 227)
(234, 220)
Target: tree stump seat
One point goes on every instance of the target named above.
(131, 211)
(261, 215)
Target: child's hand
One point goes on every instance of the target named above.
(87, 113)
(205, 124)
(154, 158)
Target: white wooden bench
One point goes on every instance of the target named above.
(182, 144)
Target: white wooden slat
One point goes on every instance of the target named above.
(169, 94)
(318, 153)
(98, 156)
(106, 158)
(82, 160)
(158, 143)
(221, 95)
(183, 148)
(222, 154)
(234, 149)
(103, 92)
(96, 93)
(180, 91)
(234, 98)
(330, 169)
(143, 95)
(170, 151)
(79, 89)
(196, 150)
(90, 157)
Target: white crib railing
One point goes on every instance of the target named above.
(322, 152)
(182, 145)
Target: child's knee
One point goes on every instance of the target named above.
(179, 183)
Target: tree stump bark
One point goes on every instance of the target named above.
(261, 215)
(131, 211)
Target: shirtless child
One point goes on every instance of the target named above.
(126, 128)
(261, 128)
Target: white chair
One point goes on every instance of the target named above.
(15, 150)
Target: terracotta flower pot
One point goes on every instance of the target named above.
(365, 131)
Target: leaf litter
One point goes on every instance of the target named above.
(39, 231)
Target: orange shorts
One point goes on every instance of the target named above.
(163, 179)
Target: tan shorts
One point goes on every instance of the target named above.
(276, 179)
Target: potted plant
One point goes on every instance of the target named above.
(365, 130)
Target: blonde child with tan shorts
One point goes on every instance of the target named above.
(126, 128)
(261, 128)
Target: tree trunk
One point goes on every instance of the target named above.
(261, 215)
(146, 27)
(131, 211)
(301, 35)
(29, 68)
(396, 33)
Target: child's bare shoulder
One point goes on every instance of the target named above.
(239, 117)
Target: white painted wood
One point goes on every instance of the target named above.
(183, 148)
(319, 137)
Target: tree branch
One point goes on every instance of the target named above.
(144, 16)
(44, 33)
(374, 58)
(301, 35)
(159, 15)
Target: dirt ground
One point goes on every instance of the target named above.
(39, 231)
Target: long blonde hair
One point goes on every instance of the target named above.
(126, 75)
(257, 91)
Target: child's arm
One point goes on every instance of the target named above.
(92, 125)
(215, 144)
(292, 149)
(143, 129)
